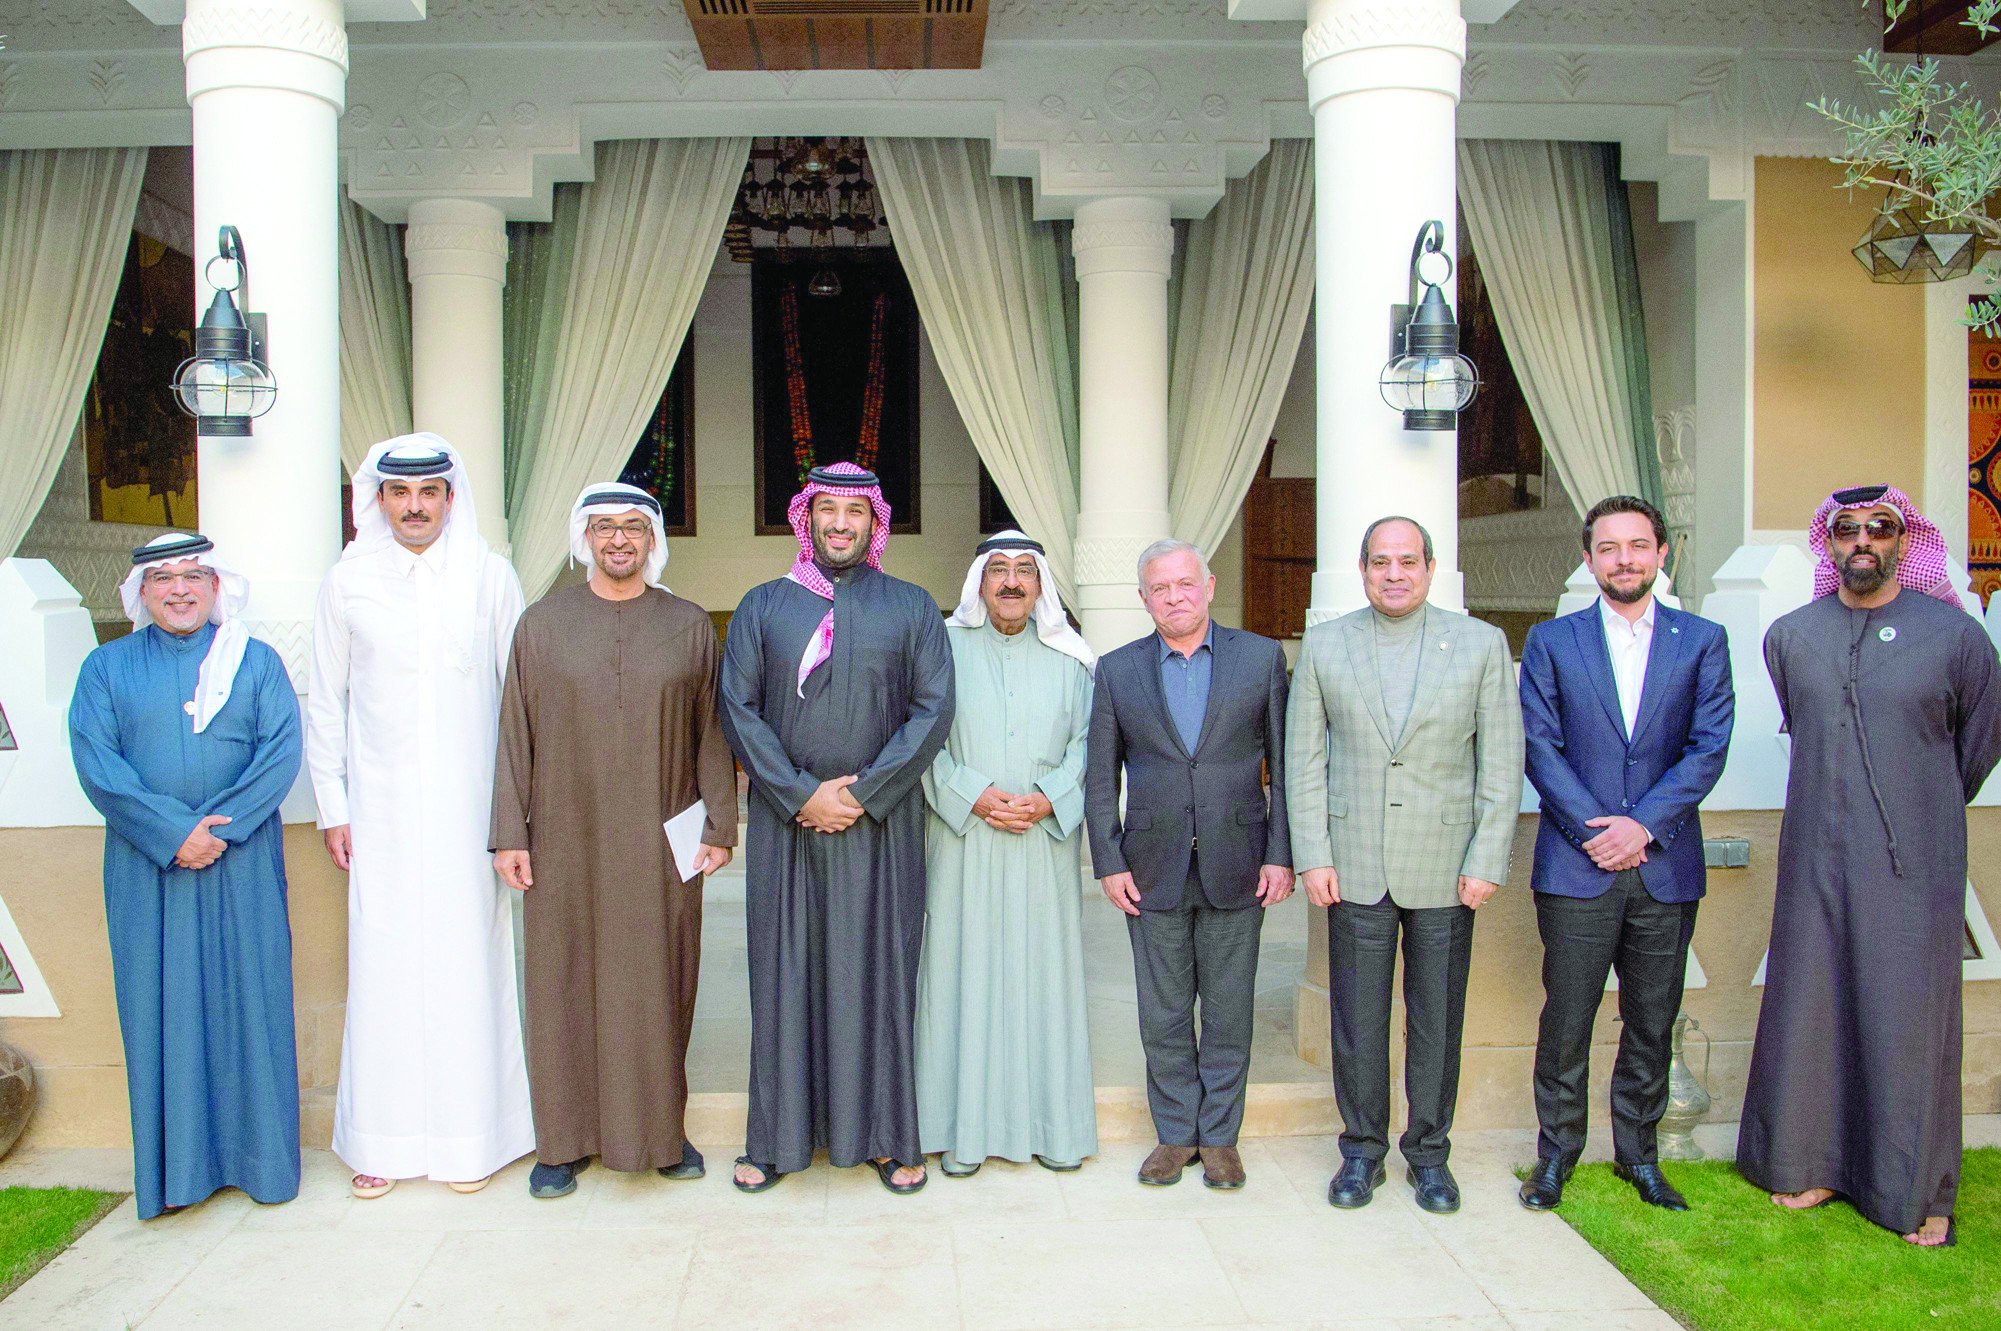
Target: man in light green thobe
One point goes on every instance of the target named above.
(1003, 1040)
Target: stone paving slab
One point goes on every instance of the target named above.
(1014, 1249)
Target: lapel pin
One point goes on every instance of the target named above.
(1673, 628)
(1888, 633)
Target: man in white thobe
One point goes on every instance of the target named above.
(409, 650)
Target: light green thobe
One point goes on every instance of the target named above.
(1003, 1038)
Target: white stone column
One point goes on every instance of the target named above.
(1124, 248)
(266, 81)
(1382, 80)
(457, 252)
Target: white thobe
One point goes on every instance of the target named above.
(400, 732)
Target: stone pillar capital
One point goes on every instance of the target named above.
(456, 238)
(1124, 234)
(1356, 45)
(286, 45)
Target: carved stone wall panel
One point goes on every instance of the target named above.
(1518, 561)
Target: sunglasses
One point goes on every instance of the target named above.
(1879, 529)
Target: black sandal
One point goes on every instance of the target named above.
(771, 1176)
(886, 1171)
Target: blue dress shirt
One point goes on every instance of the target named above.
(1184, 683)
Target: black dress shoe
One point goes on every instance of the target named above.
(1437, 1191)
(1356, 1184)
(1542, 1190)
(1652, 1185)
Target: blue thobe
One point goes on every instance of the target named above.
(201, 958)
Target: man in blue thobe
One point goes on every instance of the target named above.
(186, 738)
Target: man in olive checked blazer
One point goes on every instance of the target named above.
(1403, 765)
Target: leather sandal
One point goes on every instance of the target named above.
(771, 1176)
(370, 1191)
(886, 1171)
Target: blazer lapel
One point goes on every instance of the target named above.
(1149, 673)
(1220, 647)
(1434, 659)
(1663, 653)
(1597, 655)
(1362, 658)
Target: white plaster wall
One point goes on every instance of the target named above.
(725, 559)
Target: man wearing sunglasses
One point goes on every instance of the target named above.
(1888, 688)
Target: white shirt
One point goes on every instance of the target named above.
(1629, 642)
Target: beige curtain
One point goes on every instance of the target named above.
(65, 222)
(1552, 226)
(990, 287)
(374, 333)
(642, 237)
(1245, 291)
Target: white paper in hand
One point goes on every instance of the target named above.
(684, 836)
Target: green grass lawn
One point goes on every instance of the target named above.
(38, 1223)
(1735, 1262)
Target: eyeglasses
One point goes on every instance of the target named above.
(604, 529)
(1879, 529)
(194, 577)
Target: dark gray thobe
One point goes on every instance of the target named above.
(1896, 722)
(835, 921)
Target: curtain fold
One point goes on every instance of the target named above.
(65, 222)
(990, 287)
(1553, 229)
(1244, 294)
(374, 333)
(601, 303)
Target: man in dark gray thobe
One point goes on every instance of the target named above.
(1889, 690)
(837, 694)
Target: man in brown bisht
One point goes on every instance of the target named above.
(609, 733)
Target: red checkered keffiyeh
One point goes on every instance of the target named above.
(848, 481)
(1922, 569)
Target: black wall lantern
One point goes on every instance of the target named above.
(226, 383)
(1426, 378)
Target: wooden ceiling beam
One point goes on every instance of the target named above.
(840, 34)
(1935, 27)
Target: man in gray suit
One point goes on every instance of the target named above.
(1404, 777)
(1191, 715)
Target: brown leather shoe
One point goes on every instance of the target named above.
(1222, 1167)
(1164, 1165)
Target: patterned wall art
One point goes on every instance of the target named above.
(1983, 451)
(835, 377)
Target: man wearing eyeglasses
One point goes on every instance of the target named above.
(1889, 690)
(408, 648)
(609, 729)
(186, 738)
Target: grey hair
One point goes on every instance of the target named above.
(1171, 545)
(1370, 533)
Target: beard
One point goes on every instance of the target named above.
(1866, 579)
(856, 552)
(1627, 596)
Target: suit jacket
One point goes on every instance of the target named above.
(1404, 816)
(1211, 803)
(1584, 765)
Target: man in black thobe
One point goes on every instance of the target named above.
(837, 694)
(1889, 690)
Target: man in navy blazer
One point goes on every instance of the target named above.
(1626, 710)
(1192, 715)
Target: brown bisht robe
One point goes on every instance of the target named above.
(608, 727)
(1895, 717)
